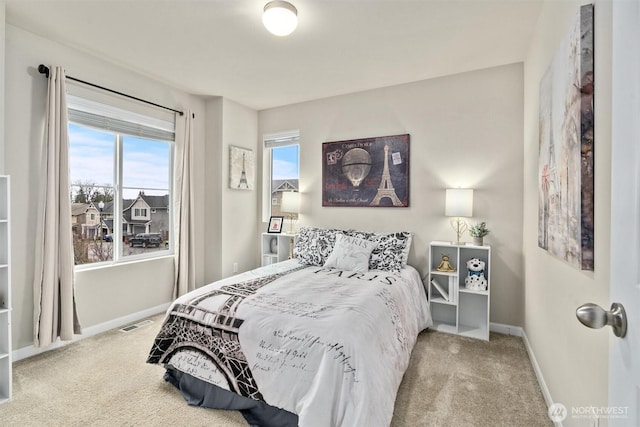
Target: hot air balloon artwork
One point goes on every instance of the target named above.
(366, 172)
(356, 165)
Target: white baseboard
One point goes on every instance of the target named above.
(24, 352)
(536, 368)
(506, 329)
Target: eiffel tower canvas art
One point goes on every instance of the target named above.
(241, 168)
(371, 172)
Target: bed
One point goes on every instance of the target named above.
(320, 340)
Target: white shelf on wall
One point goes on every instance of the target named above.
(466, 311)
(5, 290)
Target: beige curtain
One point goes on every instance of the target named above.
(53, 288)
(184, 214)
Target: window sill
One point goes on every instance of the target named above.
(106, 265)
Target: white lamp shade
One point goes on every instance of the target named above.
(280, 18)
(290, 202)
(459, 202)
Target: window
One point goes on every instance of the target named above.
(120, 165)
(141, 213)
(282, 158)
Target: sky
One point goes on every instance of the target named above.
(285, 162)
(145, 162)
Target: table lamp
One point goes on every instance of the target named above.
(459, 204)
(290, 206)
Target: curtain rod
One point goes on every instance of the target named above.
(43, 69)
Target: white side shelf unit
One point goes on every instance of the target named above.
(276, 247)
(5, 290)
(454, 308)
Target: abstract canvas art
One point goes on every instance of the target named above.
(241, 168)
(371, 172)
(565, 166)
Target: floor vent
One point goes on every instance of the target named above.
(135, 326)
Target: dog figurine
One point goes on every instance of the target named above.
(475, 279)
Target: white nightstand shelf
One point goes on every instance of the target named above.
(454, 308)
(473, 291)
(5, 290)
(276, 247)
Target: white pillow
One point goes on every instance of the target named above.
(351, 254)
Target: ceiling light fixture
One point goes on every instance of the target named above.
(280, 18)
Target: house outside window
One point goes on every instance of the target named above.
(279, 186)
(140, 213)
(282, 170)
(120, 169)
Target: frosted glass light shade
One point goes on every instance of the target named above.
(459, 202)
(290, 202)
(280, 18)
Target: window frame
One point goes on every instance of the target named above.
(271, 141)
(117, 231)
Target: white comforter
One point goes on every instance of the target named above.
(329, 345)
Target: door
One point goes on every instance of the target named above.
(624, 353)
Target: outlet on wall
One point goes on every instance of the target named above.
(235, 267)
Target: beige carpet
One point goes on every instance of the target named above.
(104, 381)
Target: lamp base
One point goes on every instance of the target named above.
(459, 225)
(291, 223)
(291, 243)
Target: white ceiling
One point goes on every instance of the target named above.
(220, 48)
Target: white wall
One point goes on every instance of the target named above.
(239, 207)
(466, 130)
(102, 294)
(573, 359)
(213, 190)
(231, 214)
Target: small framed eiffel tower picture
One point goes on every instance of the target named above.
(372, 172)
(241, 168)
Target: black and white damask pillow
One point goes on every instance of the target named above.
(392, 250)
(314, 245)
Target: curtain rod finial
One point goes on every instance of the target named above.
(43, 69)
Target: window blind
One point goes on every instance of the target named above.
(281, 139)
(105, 117)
